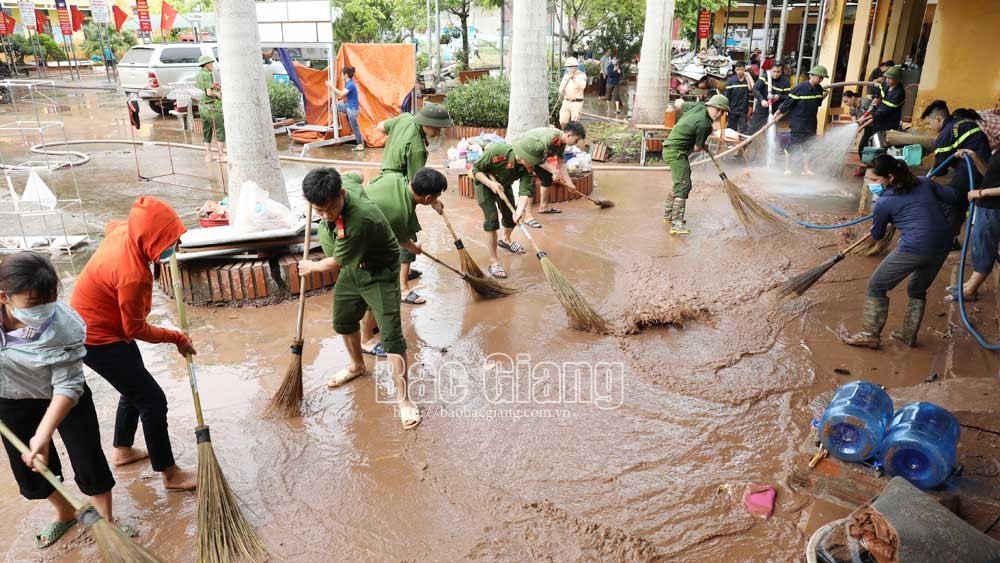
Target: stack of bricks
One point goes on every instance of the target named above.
(558, 194)
(242, 282)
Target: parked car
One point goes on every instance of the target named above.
(153, 70)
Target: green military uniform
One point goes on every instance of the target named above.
(498, 161)
(691, 131)
(364, 245)
(391, 193)
(554, 146)
(209, 108)
(406, 149)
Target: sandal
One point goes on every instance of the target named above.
(497, 271)
(342, 377)
(51, 533)
(410, 416)
(514, 247)
(533, 224)
(412, 298)
(414, 274)
(952, 296)
(378, 350)
(550, 211)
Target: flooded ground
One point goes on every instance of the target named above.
(538, 442)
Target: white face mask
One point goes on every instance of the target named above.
(35, 316)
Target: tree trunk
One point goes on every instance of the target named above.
(529, 96)
(653, 83)
(253, 154)
(465, 40)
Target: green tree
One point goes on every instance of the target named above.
(462, 9)
(371, 21)
(687, 11)
(583, 19)
(622, 33)
(120, 41)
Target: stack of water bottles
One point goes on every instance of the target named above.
(918, 442)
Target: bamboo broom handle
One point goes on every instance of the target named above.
(569, 186)
(175, 273)
(448, 224)
(855, 244)
(42, 468)
(538, 251)
(302, 279)
(443, 263)
(722, 173)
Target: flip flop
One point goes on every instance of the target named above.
(51, 533)
(533, 224)
(952, 296)
(342, 377)
(410, 416)
(414, 274)
(550, 211)
(378, 350)
(514, 247)
(413, 298)
(497, 271)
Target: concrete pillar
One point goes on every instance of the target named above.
(892, 32)
(828, 50)
(880, 27)
(859, 43)
(911, 22)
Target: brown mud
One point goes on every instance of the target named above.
(626, 447)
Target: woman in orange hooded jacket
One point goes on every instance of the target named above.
(114, 296)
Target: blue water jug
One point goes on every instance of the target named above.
(920, 444)
(854, 423)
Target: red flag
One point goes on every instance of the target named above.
(167, 16)
(11, 22)
(4, 29)
(120, 17)
(40, 19)
(77, 18)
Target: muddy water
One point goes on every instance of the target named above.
(538, 442)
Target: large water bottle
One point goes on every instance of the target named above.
(920, 444)
(854, 423)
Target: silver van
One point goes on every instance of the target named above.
(153, 70)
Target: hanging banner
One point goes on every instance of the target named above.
(704, 24)
(65, 19)
(3, 24)
(99, 11)
(27, 10)
(142, 7)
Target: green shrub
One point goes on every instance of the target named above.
(593, 69)
(485, 102)
(286, 100)
(423, 61)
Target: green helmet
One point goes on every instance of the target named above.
(205, 59)
(719, 101)
(434, 115)
(820, 70)
(895, 73)
(529, 149)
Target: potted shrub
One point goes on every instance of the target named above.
(482, 105)
(286, 102)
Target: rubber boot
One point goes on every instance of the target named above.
(678, 226)
(668, 211)
(876, 311)
(912, 318)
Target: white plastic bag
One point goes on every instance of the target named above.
(255, 211)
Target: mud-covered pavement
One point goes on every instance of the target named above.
(628, 447)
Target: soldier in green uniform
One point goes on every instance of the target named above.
(494, 173)
(689, 135)
(406, 149)
(210, 106)
(555, 142)
(363, 255)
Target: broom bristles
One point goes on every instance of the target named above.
(469, 265)
(876, 247)
(224, 535)
(752, 215)
(802, 282)
(287, 400)
(486, 287)
(604, 203)
(116, 547)
(581, 315)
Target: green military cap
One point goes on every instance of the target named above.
(205, 59)
(820, 70)
(895, 73)
(719, 101)
(529, 149)
(434, 115)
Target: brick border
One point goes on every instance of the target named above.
(466, 131)
(558, 194)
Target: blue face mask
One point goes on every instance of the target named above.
(167, 253)
(35, 316)
(875, 189)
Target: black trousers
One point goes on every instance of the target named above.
(80, 433)
(544, 176)
(738, 121)
(757, 120)
(602, 86)
(120, 363)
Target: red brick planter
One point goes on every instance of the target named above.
(654, 145)
(466, 131)
(557, 194)
(223, 281)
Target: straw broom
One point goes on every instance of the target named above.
(876, 247)
(751, 214)
(802, 282)
(224, 535)
(602, 203)
(484, 287)
(581, 315)
(469, 265)
(287, 399)
(115, 546)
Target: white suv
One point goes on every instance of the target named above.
(151, 71)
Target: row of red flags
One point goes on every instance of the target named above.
(75, 19)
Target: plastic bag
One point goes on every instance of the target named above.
(255, 211)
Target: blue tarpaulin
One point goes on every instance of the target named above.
(286, 60)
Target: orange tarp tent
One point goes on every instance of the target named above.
(385, 75)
